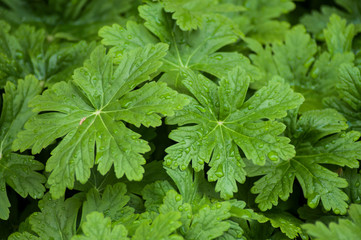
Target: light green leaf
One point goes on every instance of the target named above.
(345, 229)
(99, 227)
(82, 112)
(161, 228)
(112, 203)
(222, 123)
(56, 219)
(196, 50)
(318, 141)
(18, 171)
(338, 35)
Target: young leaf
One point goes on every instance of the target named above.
(161, 228)
(90, 109)
(99, 227)
(294, 60)
(57, 219)
(16, 170)
(196, 50)
(219, 121)
(318, 140)
(112, 203)
(349, 229)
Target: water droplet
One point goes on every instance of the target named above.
(183, 167)
(343, 135)
(218, 57)
(219, 173)
(187, 150)
(327, 146)
(178, 197)
(218, 205)
(313, 201)
(356, 138)
(175, 165)
(250, 107)
(180, 208)
(200, 162)
(99, 135)
(260, 146)
(357, 184)
(272, 156)
(189, 216)
(168, 162)
(130, 36)
(337, 211)
(333, 142)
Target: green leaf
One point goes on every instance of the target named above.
(353, 190)
(189, 14)
(27, 51)
(219, 121)
(161, 228)
(57, 219)
(317, 21)
(345, 229)
(196, 50)
(99, 227)
(260, 21)
(82, 111)
(112, 203)
(338, 35)
(318, 140)
(79, 19)
(18, 171)
(349, 94)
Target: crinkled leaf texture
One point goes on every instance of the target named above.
(189, 13)
(219, 122)
(318, 140)
(295, 60)
(89, 111)
(97, 227)
(16, 170)
(348, 101)
(196, 50)
(56, 219)
(345, 229)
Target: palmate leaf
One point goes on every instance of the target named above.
(99, 227)
(259, 20)
(219, 121)
(318, 140)
(345, 229)
(348, 101)
(317, 20)
(28, 51)
(16, 170)
(196, 50)
(189, 14)
(56, 219)
(295, 60)
(90, 110)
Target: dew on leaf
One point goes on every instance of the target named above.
(178, 197)
(219, 173)
(272, 156)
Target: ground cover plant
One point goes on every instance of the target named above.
(180, 119)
